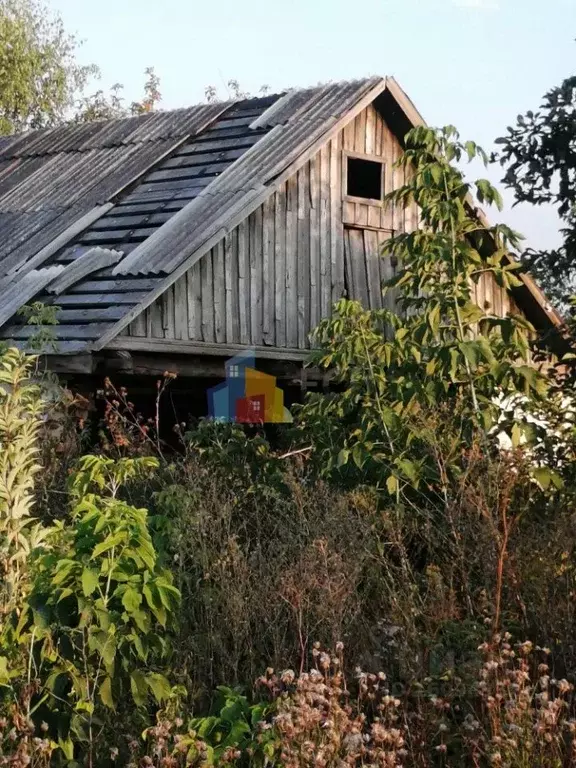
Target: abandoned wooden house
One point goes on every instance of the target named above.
(173, 240)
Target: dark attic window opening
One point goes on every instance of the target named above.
(364, 179)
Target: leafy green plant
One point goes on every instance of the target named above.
(100, 605)
(43, 317)
(20, 420)
(440, 347)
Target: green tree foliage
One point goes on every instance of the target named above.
(41, 82)
(539, 154)
(40, 79)
(102, 106)
(20, 420)
(441, 349)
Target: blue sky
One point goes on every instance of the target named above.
(473, 63)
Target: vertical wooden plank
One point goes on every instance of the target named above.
(155, 319)
(348, 212)
(357, 260)
(303, 256)
(315, 278)
(378, 127)
(360, 137)
(370, 130)
(138, 325)
(167, 309)
(231, 282)
(348, 271)
(361, 215)
(219, 292)
(268, 299)
(397, 179)
(207, 287)
(350, 136)
(374, 212)
(180, 308)
(325, 268)
(291, 262)
(372, 252)
(336, 227)
(256, 277)
(387, 271)
(244, 281)
(280, 266)
(194, 294)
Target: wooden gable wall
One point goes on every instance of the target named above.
(270, 281)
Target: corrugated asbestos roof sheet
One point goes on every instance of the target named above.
(296, 122)
(172, 180)
(50, 178)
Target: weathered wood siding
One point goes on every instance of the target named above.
(271, 280)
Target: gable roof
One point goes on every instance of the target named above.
(157, 192)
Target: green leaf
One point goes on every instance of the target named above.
(105, 693)
(109, 543)
(139, 688)
(545, 476)
(392, 485)
(131, 600)
(89, 581)
(159, 686)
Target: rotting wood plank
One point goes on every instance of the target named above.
(138, 326)
(219, 292)
(244, 281)
(291, 286)
(387, 272)
(268, 253)
(207, 283)
(303, 256)
(325, 271)
(280, 266)
(370, 130)
(154, 325)
(256, 276)
(194, 297)
(372, 254)
(336, 231)
(168, 313)
(357, 265)
(180, 309)
(228, 256)
(314, 244)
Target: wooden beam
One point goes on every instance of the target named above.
(176, 347)
(200, 366)
(82, 363)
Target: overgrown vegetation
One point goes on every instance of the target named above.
(539, 155)
(417, 521)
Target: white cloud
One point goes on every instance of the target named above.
(478, 5)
